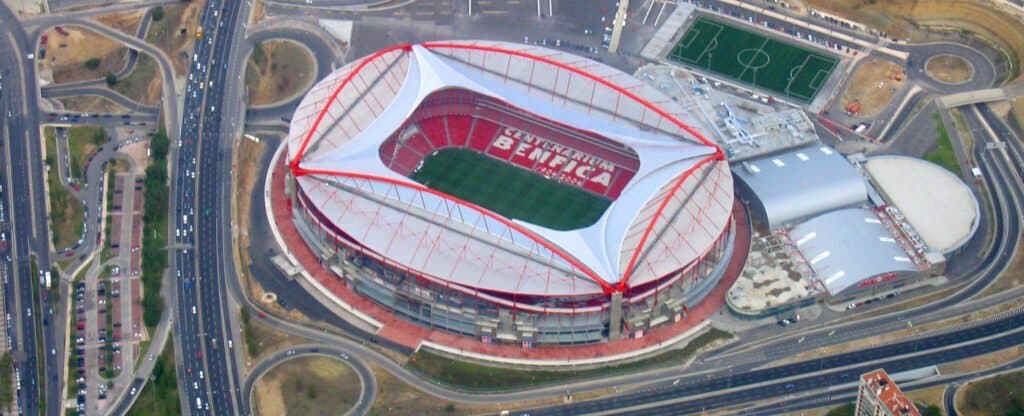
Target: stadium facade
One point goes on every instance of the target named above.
(509, 192)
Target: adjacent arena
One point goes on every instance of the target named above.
(509, 193)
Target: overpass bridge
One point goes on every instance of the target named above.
(981, 96)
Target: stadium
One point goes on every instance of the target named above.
(510, 193)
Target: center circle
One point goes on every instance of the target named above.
(753, 58)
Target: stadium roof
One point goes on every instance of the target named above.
(671, 213)
(846, 246)
(939, 205)
(802, 182)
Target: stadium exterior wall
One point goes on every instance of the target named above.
(435, 303)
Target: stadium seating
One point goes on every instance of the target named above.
(458, 128)
(420, 144)
(434, 129)
(460, 118)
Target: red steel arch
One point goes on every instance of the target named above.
(623, 283)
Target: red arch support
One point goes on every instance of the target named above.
(623, 283)
(608, 288)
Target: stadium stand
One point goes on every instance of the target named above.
(460, 118)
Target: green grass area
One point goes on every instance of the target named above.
(943, 154)
(477, 376)
(509, 190)
(999, 395)
(842, 410)
(135, 85)
(82, 141)
(160, 396)
(754, 59)
(154, 227)
(67, 215)
(6, 380)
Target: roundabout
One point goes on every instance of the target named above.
(949, 69)
(311, 377)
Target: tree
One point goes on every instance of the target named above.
(932, 410)
(844, 410)
(159, 145)
(111, 80)
(50, 160)
(99, 137)
(158, 14)
(92, 64)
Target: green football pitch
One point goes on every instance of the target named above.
(754, 59)
(510, 191)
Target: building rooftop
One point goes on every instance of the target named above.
(802, 182)
(888, 393)
(939, 206)
(847, 246)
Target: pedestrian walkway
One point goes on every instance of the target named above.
(411, 335)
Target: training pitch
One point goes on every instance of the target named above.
(787, 70)
(509, 190)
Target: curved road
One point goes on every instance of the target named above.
(172, 115)
(59, 91)
(366, 378)
(323, 53)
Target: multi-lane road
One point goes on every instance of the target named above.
(203, 271)
(204, 319)
(39, 371)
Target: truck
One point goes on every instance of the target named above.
(199, 33)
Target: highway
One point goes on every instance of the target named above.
(29, 236)
(205, 286)
(203, 319)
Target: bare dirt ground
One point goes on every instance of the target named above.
(950, 69)
(991, 396)
(144, 83)
(91, 104)
(127, 22)
(175, 33)
(395, 397)
(67, 55)
(905, 19)
(259, 11)
(26, 8)
(929, 396)
(864, 88)
(276, 70)
(137, 151)
(307, 386)
(268, 340)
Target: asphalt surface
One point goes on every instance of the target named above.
(59, 91)
(169, 96)
(200, 200)
(29, 236)
(203, 322)
(366, 378)
(376, 30)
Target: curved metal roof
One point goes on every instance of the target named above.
(802, 182)
(670, 213)
(847, 246)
